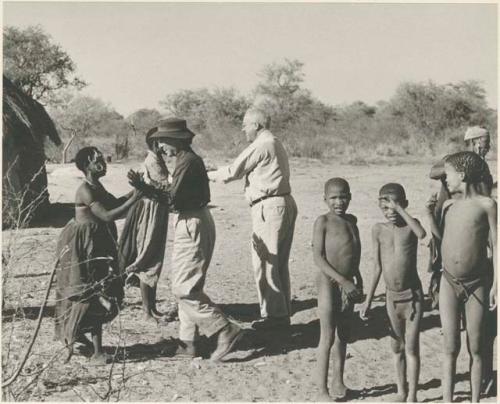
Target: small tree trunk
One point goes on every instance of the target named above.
(66, 146)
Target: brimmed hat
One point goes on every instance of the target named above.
(172, 128)
(474, 132)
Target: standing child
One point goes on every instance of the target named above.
(469, 225)
(337, 251)
(395, 250)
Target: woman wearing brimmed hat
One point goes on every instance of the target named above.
(194, 242)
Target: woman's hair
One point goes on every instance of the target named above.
(150, 142)
(84, 156)
(471, 164)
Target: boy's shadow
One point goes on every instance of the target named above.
(26, 313)
(377, 326)
(278, 341)
(143, 352)
(390, 388)
(247, 312)
(301, 336)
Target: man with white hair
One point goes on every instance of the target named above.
(264, 165)
(477, 139)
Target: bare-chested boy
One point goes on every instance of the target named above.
(395, 251)
(468, 225)
(336, 250)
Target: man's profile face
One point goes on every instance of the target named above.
(250, 127)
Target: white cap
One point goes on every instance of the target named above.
(474, 132)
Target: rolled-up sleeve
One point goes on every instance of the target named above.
(242, 165)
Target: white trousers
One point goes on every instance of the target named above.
(193, 248)
(273, 222)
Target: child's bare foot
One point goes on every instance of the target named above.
(324, 397)
(339, 390)
(101, 358)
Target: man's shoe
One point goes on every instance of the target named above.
(226, 341)
(185, 349)
(271, 322)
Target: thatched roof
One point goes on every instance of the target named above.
(24, 116)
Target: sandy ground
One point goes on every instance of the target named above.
(266, 367)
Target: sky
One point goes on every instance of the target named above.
(134, 54)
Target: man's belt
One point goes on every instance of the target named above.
(266, 197)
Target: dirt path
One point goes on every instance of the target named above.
(267, 367)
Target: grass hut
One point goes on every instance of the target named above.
(26, 125)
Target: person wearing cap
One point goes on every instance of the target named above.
(477, 140)
(194, 242)
(264, 165)
(143, 239)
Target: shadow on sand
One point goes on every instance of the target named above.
(25, 313)
(56, 215)
(302, 336)
(247, 312)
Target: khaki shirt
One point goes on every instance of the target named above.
(264, 164)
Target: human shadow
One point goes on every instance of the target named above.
(391, 388)
(377, 325)
(277, 341)
(280, 340)
(246, 312)
(135, 353)
(435, 383)
(28, 313)
(55, 215)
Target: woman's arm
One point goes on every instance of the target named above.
(85, 195)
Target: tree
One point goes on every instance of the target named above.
(87, 119)
(142, 120)
(40, 67)
(216, 114)
(432, 108)
(279, 92)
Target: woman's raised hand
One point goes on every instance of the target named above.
(135, 179)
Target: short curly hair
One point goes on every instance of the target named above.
(471, 164)
(84, 156)
(337, 182)
(395, 189)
